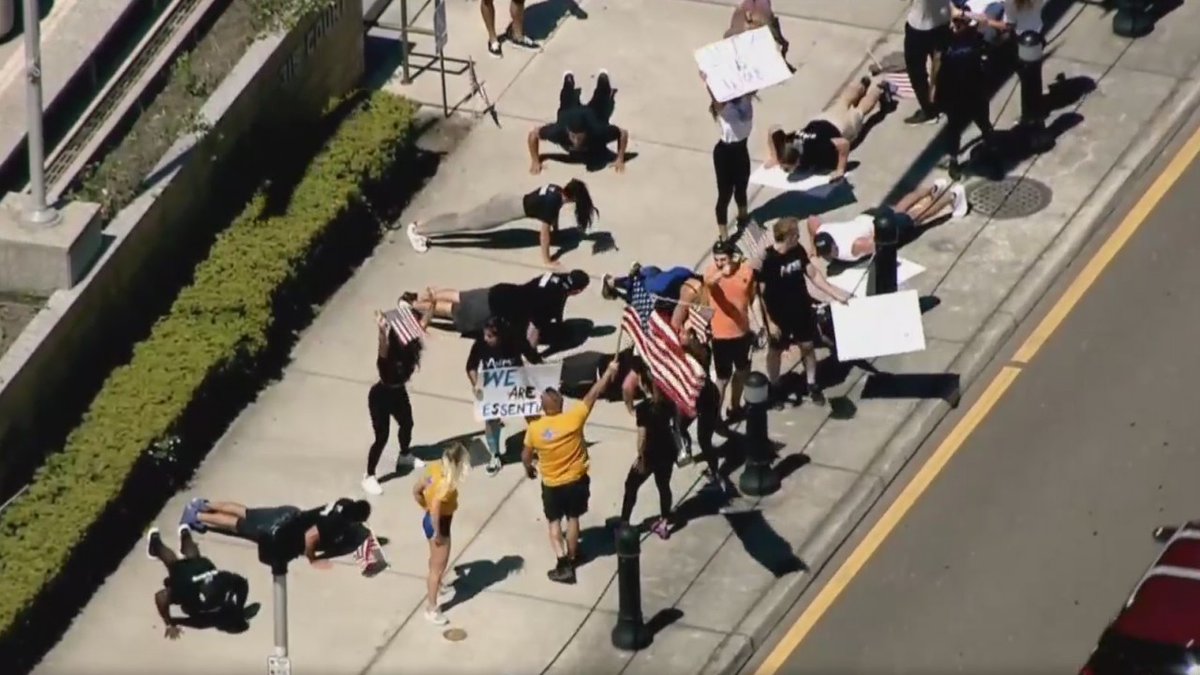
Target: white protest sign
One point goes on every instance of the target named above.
(742, 64)
(515, 392)
(878, 325)
(852, 280)
(815, 184)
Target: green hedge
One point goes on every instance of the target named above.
(219, 324)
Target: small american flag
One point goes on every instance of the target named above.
(404, 322)
(677, 374)
(901, 85)
(697, 321)
(369, 555)
(753, 242)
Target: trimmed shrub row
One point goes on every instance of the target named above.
(219, 328)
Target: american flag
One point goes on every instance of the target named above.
(677, 374)
(697, 321)
(901, 85)
(404, 322)
(753, 242)
(369, 555)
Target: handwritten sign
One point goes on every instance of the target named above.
(742, 64)
(515, 392)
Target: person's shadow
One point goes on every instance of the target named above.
(477, 576)
(224, 622)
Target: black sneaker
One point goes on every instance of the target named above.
(954, 169)
(817, 396)
(494, 48)
(153, 541)
(563, 573)
(922, 117)
(602, 79)
(524, 42)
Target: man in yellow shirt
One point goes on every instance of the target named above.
(556, 438)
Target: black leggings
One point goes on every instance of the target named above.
(708, 414)
(732, 163)
(919, 45)
(661, 469)
(602, 103)
(383, 402)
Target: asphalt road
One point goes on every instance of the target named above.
(1033, 535)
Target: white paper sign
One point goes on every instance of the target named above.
(853, 280)
(742, 64)
(815, 184)
(515, 392)
(878, 325)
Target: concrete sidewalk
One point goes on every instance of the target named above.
(721, 582)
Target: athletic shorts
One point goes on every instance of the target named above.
(257, 523)
(443, 525)
(471, 311)
(730, 354)
(566, 501)
(796, 326)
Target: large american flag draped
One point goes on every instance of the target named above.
(404, 322)
(677, 374)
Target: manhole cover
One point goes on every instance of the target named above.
(1009, 197)
(455, 634)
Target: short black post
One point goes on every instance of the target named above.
(881, 277)
(759, 478)
(1030, 45)
(1133, 18)
(630, 632)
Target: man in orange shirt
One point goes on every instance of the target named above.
(731, 290)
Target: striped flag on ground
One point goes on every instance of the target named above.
(678, 375)
(369, 555)
(901, 85)
(403, 322)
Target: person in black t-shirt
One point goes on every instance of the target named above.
(583, 131)
(961, 88)
(542, 204)
(787, 307)
(656, 451)
(533, 308)
(195, 584)
(297, 532)
(823, 145)
(388, 397)
(495, 349)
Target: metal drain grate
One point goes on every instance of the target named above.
(1009, 197)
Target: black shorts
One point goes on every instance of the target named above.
(258, 522)
(798, 325)
(566, 501)
(731, 354)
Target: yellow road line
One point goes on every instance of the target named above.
(979, 411)
(1115, 242)
(858, 559)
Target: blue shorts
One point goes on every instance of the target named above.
(427, 525)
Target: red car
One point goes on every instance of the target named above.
(1158, 629)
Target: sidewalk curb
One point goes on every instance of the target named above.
(753, 630)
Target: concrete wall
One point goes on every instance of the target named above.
(280, 78)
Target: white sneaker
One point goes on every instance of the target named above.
(940, 185)
(420, 243)
(445, 594)
(408, 461)
(371, 486)
(435, 617)
(494, 465)
(961, 206)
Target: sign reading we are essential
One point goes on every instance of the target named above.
(515, 392)
(742, 64)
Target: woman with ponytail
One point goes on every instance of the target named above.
(542, 204)
(437, 494)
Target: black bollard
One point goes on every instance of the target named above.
(882, 275)
(1030, 45)
(1133, 18)
(759, 478)
(630, 632)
